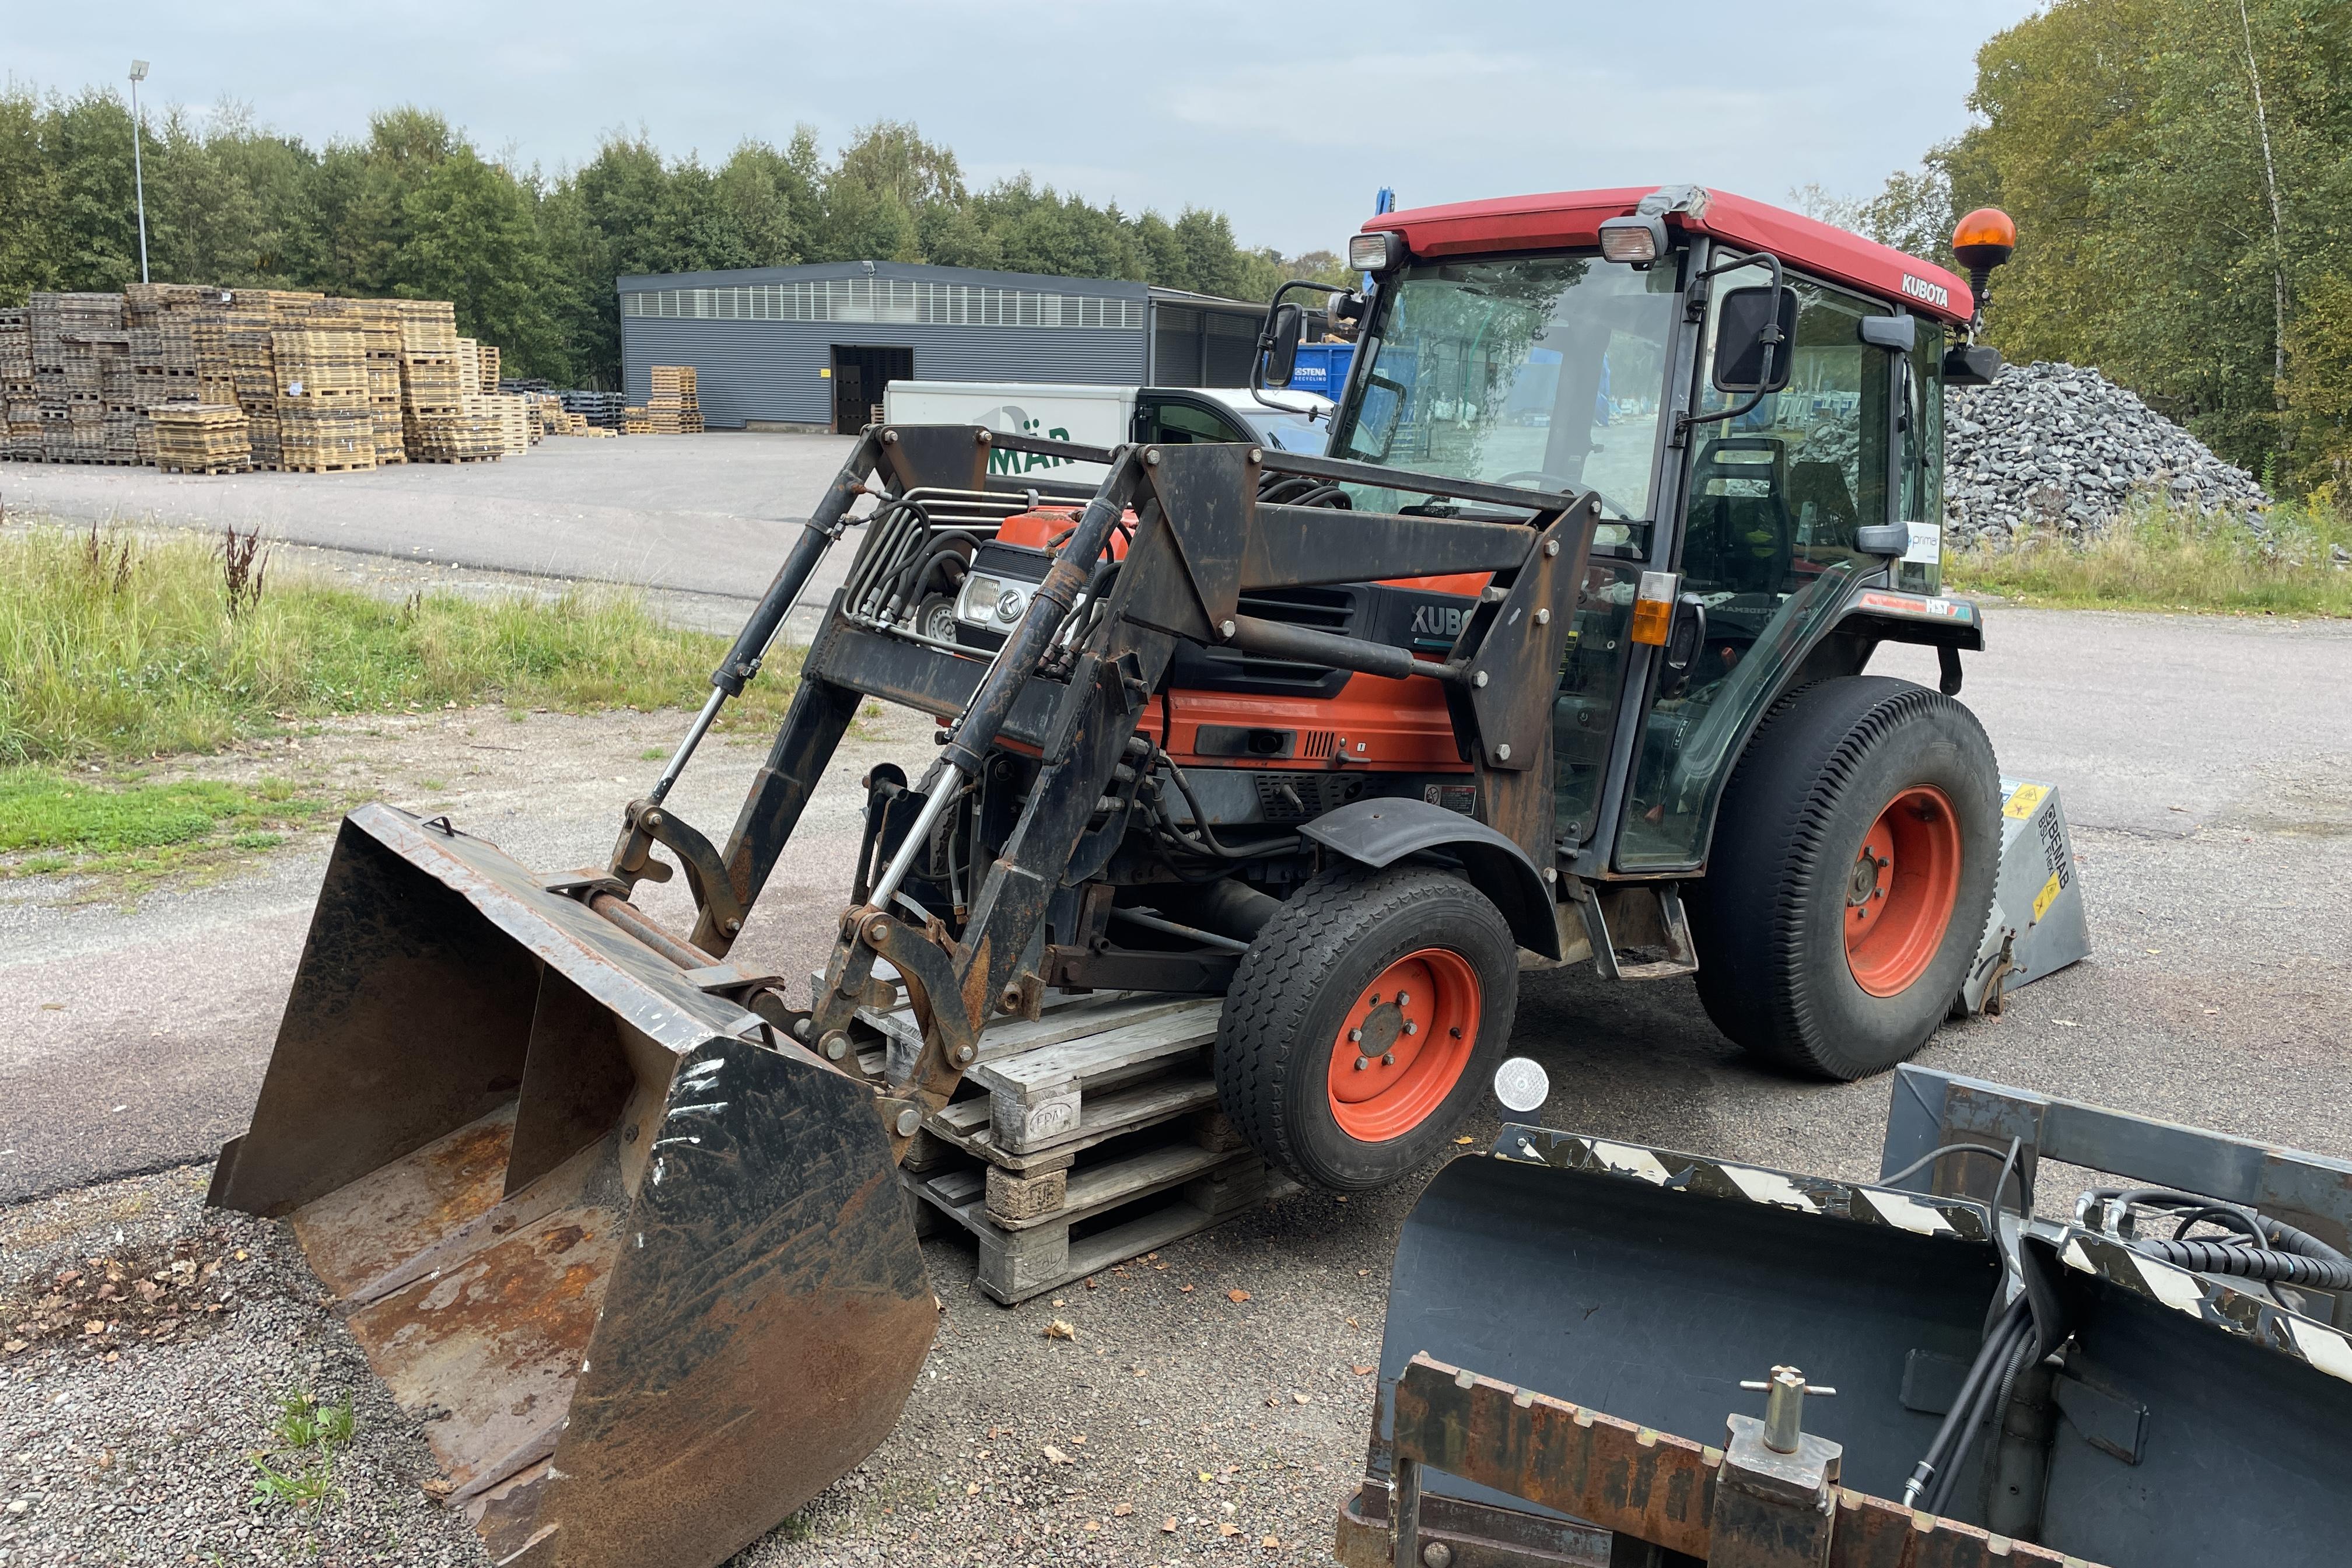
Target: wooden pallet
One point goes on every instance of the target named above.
(211, 472)
(1120, 1204)
(1086, 1136)
(477, 458)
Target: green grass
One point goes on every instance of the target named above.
(2157, 558)
(52, 820)
(113, 647)
(115, 650)
(307, 1435)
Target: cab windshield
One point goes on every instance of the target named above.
(1541, 370)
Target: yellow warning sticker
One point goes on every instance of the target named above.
(2021, 803)
(2048, 893)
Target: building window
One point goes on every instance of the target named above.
(899, 301)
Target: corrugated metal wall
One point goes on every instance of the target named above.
(762, 338)
(1195, 347)
(773, 369)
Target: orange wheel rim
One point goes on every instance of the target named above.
(1900, 890)
(1403, 1045)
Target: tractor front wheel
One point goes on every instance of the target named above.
(1851, 876)
(1364, 1022)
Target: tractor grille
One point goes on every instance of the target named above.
(1323, 609)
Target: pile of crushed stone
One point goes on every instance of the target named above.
(2059, 449)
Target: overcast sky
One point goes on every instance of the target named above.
(1148, 105)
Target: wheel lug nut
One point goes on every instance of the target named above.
(1388, 1060)
(1410, 1027)
(1363, 1062)
(1404, 998)
(1355, 1034)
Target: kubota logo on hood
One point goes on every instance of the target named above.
(1933, 293)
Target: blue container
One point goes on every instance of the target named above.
(1322, 368)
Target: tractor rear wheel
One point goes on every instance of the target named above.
(1851, 876)
(1364, 1023)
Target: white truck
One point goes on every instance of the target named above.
(1107, 415)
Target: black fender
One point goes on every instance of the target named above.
(1380, 832)
(1945, 625)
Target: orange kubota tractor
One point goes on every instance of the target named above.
(1562, 651)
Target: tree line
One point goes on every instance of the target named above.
(416, 209)
(2181, 171)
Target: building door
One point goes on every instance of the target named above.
(859, 374)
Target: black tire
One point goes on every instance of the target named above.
(1310, 968)
(1768, 918)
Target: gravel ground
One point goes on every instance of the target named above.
(136, 1433)
(1208, 1402)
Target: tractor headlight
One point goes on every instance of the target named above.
(1636, 241)
(996, 604)
(1380, 252)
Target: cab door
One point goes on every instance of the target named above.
(1771, 500)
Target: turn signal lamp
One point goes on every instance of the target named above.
(1653, 608)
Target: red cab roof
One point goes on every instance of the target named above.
(1573, 218)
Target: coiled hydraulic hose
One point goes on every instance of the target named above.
(2265, 1248)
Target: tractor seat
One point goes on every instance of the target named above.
(1742, 535)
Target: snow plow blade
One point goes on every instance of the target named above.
(1579, 1330)
(640, 1263)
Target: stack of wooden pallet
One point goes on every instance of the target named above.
(673, 409)
(431, 396)
(326, 424)
(20, 415)
(635, 422)
(161, 318)
(488, 377)
(599, 408)
(1081, 1138)
(200, 438)
(72, 337)
(378, 321)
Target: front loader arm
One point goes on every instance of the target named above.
(1074, 697)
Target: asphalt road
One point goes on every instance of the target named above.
(695, 514)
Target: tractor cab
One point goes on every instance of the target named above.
(1756, 399)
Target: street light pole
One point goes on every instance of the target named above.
(139, 175)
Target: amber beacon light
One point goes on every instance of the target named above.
(1982, 241)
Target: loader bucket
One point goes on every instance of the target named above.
(642, 1267)
(2186, 1422)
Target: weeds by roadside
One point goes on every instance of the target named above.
(114, 648)
(2163, 558)
(299, 1472)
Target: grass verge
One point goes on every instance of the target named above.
(2158, 558)
(114, 649)
(51, 821)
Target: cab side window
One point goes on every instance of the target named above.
(1776, 494)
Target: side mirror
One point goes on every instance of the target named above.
(1753, 341)
(1284, 328)
(1900, 333)
(1971, 365)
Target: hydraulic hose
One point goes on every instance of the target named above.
(2265, 1248)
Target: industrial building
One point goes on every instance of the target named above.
(811, 347)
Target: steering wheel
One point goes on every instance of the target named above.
(1558, 483)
